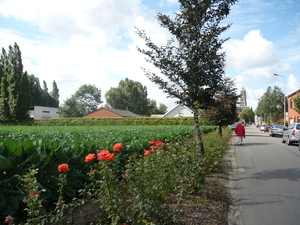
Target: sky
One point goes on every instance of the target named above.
(94, 42)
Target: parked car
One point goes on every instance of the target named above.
(262, 127)
(291, 134)
(266, 128)
(276, 129)
(233, 126)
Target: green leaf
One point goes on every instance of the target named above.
(4, 163)
(12, 205)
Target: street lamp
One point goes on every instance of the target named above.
(275, 74)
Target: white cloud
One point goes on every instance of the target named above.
(292, 83)
(253, 97)
(86, 44)
(251, 52)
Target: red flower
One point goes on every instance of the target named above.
(33, 193)
(63, 168)
(159, 143)
(152, 141)
(90, 157)
(153, 147)
(105, 155)
(147, 152)
(117, 147)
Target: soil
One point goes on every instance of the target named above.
(218, 204)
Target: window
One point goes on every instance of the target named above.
(291, 103)
(46, 111)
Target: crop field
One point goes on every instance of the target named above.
(26, 147)
(23, 148)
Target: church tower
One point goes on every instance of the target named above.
(243, 99)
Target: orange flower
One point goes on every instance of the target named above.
(33, 193)
(105, 155)
(90, 157)
(63, 168)
(93, 171)
(147, 152)
(159, 143)
(118, 147)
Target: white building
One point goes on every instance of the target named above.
(180, 111)
(43, 112)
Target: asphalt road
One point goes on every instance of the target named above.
(268, 180)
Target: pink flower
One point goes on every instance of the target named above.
(9, 219)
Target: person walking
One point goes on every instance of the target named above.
(240, 132)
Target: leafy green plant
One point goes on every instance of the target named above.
(175, 169)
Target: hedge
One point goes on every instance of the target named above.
(124, 121)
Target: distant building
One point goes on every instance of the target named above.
(292, 115)
(180, 111)
(43, 112)
(107, 112)
(242, 103)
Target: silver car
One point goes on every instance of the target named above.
(276, 129)
(291, 134)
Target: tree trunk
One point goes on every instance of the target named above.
(220, 130)
(198, 139)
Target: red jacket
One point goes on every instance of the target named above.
(240, 130)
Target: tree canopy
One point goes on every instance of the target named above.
(271, 104)
(191, 63)
(224, 111)
(14, 89)
(248, 115)
(85, 100)
(129, 95)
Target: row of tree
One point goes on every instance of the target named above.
(129, 95)
(20, 91)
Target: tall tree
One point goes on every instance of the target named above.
(129, 95)
(16, 98)
(41, 97)
(35, 90)
(45, 87)
(270, 105)
(55, 93)
(161, 109)
(85, 100)
(224, 111)
(192, 62)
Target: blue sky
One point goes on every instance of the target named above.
(94, 42)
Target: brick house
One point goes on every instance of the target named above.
(106, 112)
(292, 115)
